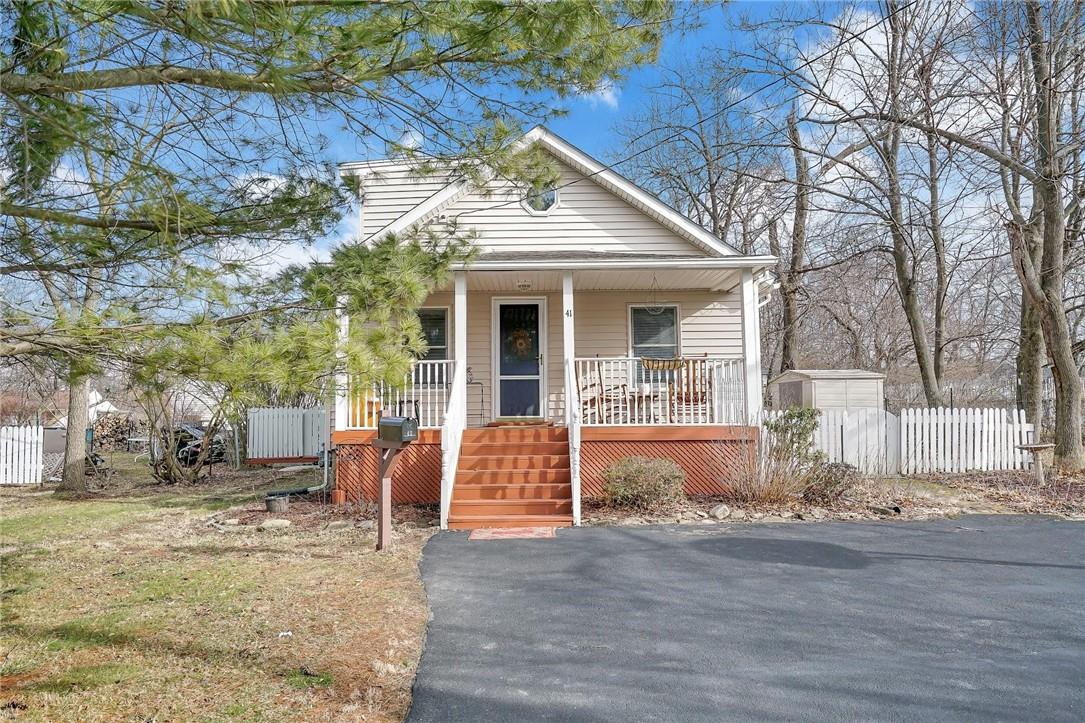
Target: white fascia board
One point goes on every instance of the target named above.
(720, 262)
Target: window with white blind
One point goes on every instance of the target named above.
(653, 331)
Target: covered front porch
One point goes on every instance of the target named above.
(660, 353)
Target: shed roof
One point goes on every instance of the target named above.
(814, 374)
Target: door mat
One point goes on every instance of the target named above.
(511, 533)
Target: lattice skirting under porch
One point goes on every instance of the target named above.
(708, 464)
(417, 477)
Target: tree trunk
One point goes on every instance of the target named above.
(791, 282)
(74, 478)
(1046, 285)
(1030, 365)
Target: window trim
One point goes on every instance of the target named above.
(448, 337)
(535, 212)
(677, 325)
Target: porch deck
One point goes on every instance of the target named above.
(691, 369)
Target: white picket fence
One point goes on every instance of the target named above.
(922, 440)
(21, 455)
(286, 432)
(963, 440)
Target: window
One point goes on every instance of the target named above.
(653, 335)
(435, 332)
(654, 331)
(540, 200)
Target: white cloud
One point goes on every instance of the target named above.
(606, 93)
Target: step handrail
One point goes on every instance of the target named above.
(452, 437)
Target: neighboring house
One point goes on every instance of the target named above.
(596, 318)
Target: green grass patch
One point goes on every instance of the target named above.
(86, 677)
(303, 679)
(94, 632)
(62, 519)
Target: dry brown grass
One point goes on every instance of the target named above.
(128, 606)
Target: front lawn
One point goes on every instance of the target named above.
(128, 605)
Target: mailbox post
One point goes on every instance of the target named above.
(393, 436)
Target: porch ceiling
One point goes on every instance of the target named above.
(603, 279)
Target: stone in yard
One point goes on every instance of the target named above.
(887, 511)
(756, 515)
(232, 521)
(721, 512)
(366, 525)
(338, 525)
(701, 514)
(817, 513)
(273, 524)
(689, 515)
(738, 515)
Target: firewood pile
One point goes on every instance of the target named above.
(111, 432)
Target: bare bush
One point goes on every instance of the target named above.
(643, 484)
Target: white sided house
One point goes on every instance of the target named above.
(596, 323)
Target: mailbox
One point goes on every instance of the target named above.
(397, 429)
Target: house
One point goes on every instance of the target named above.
(596, 323)
(828, 389)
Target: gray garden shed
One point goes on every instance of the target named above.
(827, 389)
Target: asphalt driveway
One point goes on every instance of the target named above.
(973, 618)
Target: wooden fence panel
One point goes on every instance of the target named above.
(286, 432)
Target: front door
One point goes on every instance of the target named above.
(519, 342)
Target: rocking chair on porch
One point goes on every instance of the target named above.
(689, 387)
(602, 403)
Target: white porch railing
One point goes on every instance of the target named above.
(424, 393)
(451, 436)
(689, 390)
(573, 419)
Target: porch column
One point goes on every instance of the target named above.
(342, 383)
(459, 332)
(751, 347)
(567, 336)
(572, 419)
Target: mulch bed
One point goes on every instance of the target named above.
(1019, 491)
(313, 513)
(862, 503)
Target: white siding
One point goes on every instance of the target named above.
(392, 192)
(710, 324)
(586, 218)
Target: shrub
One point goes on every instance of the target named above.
(830, 481)
(790, 436)
(643, 484)
(788, 463)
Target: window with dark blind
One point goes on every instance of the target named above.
(654, 331)
(435, 331)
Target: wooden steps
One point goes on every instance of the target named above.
(513, 476)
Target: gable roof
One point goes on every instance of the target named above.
(598, 173)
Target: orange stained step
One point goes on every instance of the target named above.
(507, 491)
(474, 522)
(512, 461)
(512, 476)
